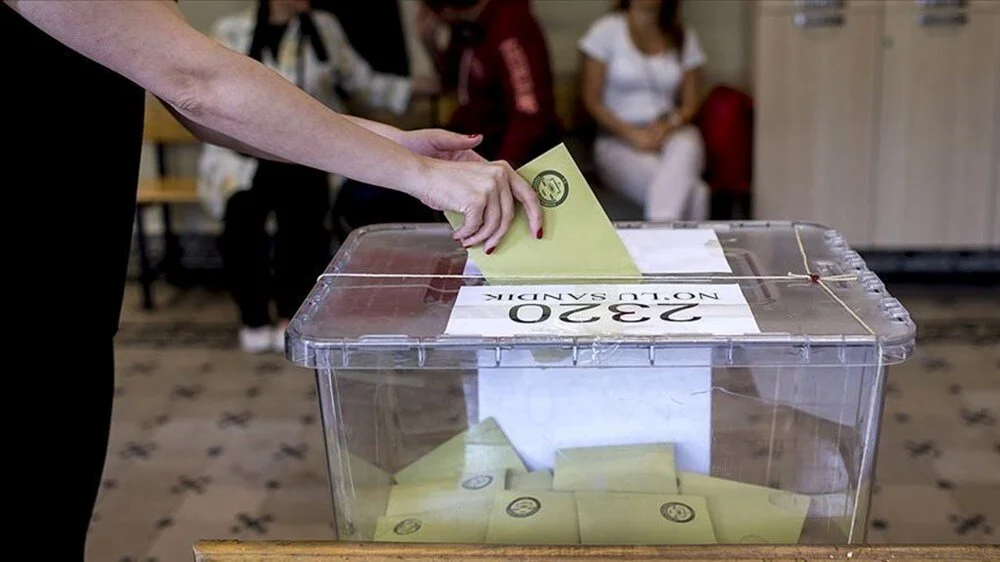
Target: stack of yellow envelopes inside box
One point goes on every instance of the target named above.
(475, 489)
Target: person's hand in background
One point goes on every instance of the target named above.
(462, 181)
(645, 138)
(663, 128)
(427, 24)
(427, 85)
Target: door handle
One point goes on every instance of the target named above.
(821, 4)
(942, 20)
(818, 20)
(942, 3)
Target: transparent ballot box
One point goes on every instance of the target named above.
(731, 394)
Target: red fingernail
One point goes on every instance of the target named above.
(538, 234)
(473, 136)
(490, 250)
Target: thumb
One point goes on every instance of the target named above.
(447, 140)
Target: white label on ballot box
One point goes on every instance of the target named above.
(601, 310)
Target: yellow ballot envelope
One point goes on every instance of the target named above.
(533, 517)
(643, 519)
(618, 468)
(370, 494)
(579, 241)
(745, 513)
(537, 480)
(443, 495)
(466, 523)
(481, 448)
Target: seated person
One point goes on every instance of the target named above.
(641, 80)
(243, 191)
(496, 59)
(375, 29)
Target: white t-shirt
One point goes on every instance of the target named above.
(639, 88)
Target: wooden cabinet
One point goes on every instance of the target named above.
(996, 172)
(935, 186)
(815, 130)
(880, 118)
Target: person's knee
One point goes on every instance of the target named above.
(687, 141)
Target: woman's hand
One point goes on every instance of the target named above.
(442, 144)
(662, 130)
(644, 138)
(427, 24)
(483, 192)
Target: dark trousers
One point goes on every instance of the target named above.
(726, 205)
(300, 200)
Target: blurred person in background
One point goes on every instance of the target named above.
(642, 85)
(309, 48)
(493, 55)
(376, 31)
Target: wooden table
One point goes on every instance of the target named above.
(275, 551)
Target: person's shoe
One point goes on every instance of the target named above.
(256, 340)
(279, 338)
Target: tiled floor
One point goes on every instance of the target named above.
(210, 443)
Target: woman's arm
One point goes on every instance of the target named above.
(690, 101)
(236, 97)
(594, 72)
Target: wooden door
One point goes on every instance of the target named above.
(937, 151)
(815, 82)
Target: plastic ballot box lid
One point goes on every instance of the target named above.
(748, 293)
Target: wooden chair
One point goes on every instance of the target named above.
(275, 551)
(162, 131)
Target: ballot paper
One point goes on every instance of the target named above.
(443, 495)
(482, 447)
(745, 513)
(624, 468)
(643, 519)
(520, 517)
(579, 240)
(465, 524)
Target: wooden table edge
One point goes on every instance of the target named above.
(252, 551)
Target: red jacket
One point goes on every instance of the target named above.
(499, 68)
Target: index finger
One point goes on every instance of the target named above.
(527, 196)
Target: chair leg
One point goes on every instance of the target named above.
(145, 270)
(171, 263)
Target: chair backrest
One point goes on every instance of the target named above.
(162, 127)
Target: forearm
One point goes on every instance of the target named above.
(690, 97)
(216, 138)
(221, 92)
(607, 120)
(381, 129)
(246, 101)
